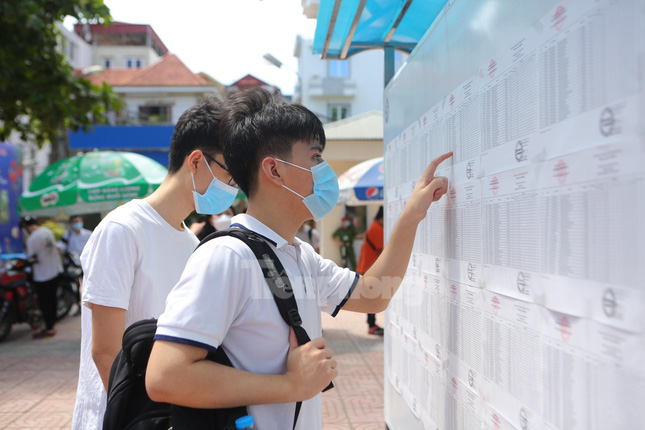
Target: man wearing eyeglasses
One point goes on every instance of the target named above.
(138, 252)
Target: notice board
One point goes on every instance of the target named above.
(523, 306)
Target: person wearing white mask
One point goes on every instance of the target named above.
(75, 239)
(211, 224)
(222, 222)
(137, 253)
(273, 149)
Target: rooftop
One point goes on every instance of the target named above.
(169, 71)
(121, 34)
(367, 126)
(250, 81)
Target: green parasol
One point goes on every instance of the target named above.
(93, 182)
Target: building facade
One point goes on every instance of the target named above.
(155, 88)
(153, 99)
(339, 89)
(122, 45)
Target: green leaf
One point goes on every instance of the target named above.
(39, 95)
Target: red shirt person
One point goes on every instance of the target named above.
(371, 249)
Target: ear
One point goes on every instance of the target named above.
(270, 171)
(193, 159)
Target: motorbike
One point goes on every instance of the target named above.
(18, 301)
(68, 287)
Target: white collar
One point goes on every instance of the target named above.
(253, 224)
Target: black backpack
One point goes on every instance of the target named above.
(128, 404)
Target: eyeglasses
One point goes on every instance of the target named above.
(231, 182)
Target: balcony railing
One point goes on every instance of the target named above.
(331, 87)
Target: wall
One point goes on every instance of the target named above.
(180, 102)
(80, 56)
(368, 92)
(522, 307)
(118, 54)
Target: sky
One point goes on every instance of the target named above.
(225, 38)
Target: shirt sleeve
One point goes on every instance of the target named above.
(335, 284)
(109, 262)
(211, 293)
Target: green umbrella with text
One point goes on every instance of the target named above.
(93, 182)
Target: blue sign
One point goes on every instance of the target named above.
(10, 190)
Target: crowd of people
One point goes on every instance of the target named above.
(141, 262)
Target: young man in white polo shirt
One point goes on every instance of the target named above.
(137, 253)
(273, 150)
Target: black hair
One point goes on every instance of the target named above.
(75, 216)
(379, 214)
(256, 125)
(29, 220)
(197, 128)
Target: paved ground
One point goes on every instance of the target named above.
(38, 377)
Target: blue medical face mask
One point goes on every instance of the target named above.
(326, 191)
(77, 226)
(217, 198)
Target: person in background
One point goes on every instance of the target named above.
(370, 251)
(308, 234)
(211, 226)
(222, 222)
(74, 241)
(198, 225)
(344, 236)
(41, 245)
(76, 237)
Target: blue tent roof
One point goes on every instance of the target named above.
(357, 25)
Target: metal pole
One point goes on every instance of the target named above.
(388, 65)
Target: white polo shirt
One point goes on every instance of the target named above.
(223, 299)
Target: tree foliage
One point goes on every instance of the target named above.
(39, 94)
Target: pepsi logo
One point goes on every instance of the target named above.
(372, 193)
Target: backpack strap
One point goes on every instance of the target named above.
(278, 282)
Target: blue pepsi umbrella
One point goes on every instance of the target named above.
(362, 184)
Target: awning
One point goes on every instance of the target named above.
(346, 27)
(153, 141)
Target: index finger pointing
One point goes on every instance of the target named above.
(432, 167)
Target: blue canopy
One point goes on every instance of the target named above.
(358, 25)
(362, 184)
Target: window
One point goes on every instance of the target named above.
(71, 50)
(338, 69)
(133, 62)
(107, 62)
(337, 111)
(154, 114)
